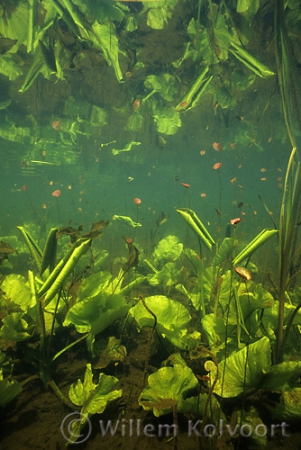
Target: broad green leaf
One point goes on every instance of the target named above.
(197, 226)
(92, 397)
(8, 390)
(167, 389)
(17, 327)
(168, 249)
(167, 276)
(222, 37)
(282, 376)
(163, 84)
(224, 251)
(16, 292)
(14, 23)
(10, 67)
(113, 352)
(242, 370)
(167, 120)
(215, 331)
(94, 314)
(256, 297)
(159, 12)
(135, 121)
(172, 320)
(289, 407)
(104, 37)
(93, 285)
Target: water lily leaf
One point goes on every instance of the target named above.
(282, 376)
(94, 314)
(289, 407)
(159, 12)
(167, 276)
(17, 327)
(202, 48)
(92, 397)
(248, 8)
(224, 251)
(167, 389)
(222, 37)
(168, 249)
(215, 330)
(10, 67)
(93, 285)
(167, 120)
(172, 319)
(102, 11)
(16, 292)
(163, 84)
(104, 37)
(255, 298)
(242, 370)
(8, 390)
(113, 352)
(14, 25)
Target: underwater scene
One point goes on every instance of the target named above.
(150, 239)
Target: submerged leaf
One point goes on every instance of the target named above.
(172, 320)
(167, 120)
(167, 389)
(94, 314)
(168, 249)
(242, 370)
(289, 407)
(16, 292)
(8, 390)
(113, 352)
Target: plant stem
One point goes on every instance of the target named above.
(69, 346)
(60, 395)
(151, 336)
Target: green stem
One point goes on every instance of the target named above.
(69, 346)
(60, 395)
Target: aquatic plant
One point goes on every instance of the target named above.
(92, 397)
(172, 319)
